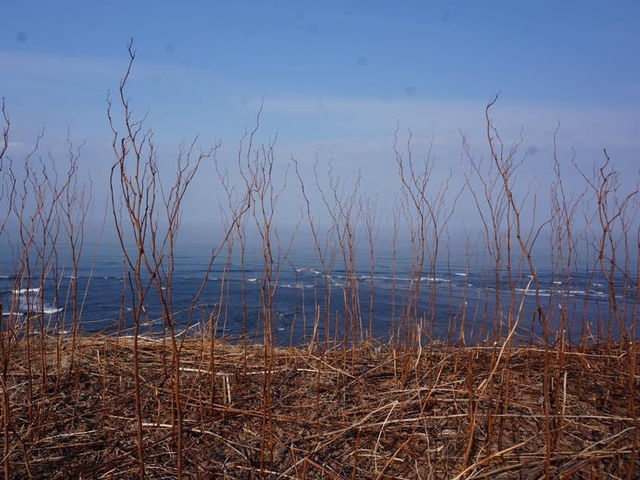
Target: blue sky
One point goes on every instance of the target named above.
(336, 77)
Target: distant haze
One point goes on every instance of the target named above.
(334, 82)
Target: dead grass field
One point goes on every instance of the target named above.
(374, 412)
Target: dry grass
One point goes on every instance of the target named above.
(369, 413)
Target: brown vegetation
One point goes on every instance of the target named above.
(389, 414)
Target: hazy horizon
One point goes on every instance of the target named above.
(334, 83)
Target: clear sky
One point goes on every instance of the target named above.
(337, 77)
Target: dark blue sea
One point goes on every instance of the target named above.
(458, 296)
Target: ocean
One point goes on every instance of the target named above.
(456, 299)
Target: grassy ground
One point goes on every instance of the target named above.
(374, 412)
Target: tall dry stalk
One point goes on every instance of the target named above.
(75, 205)
(428, 207)
(503, 159)
(613, 206)
(148, 239)
(132, 193)
(369, 213)
(7, 196)
(492, 206)
(340, 201)
(324, 253)
(257, 169)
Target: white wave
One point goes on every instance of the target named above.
(30, 300)
(252, 279)
(24, 291)
(435, 279)
(532, 293)
(382, 277)
(51, 310)
(461, 274)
